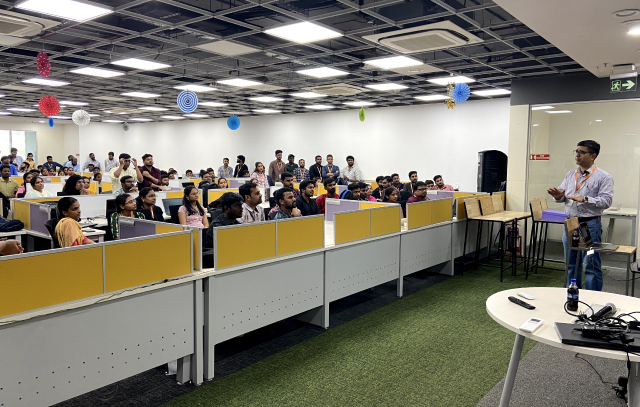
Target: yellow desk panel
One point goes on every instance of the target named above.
(215, 194)
(350, 226)
(126, 268)
(291, 233)
(386, 220)
(19, 180)
(56, 179)
(162, 228)
(107, 186)
(34, 282)
(374, 184)
(230, 252)
(370, 205)
(441, 211)
(52, 199)
(22, 212)
(175, 194)
(457, 195)
(93, 187)
(321, 189)
(419, 214)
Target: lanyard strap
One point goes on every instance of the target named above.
(575, 181)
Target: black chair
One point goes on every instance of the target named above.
(111, 205)
(6, 205)
(266, 212)
(405, 195)
(272, 215)
(272, 202)
(51, 227)
(173, 211)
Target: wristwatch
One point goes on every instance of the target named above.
(586, 199)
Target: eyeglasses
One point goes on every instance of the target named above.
(129, 202)
(421, 189)
(580, 152)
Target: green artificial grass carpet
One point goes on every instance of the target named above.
(437, 347)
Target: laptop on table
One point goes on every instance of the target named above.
(588, 241)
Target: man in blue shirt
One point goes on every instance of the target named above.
(330, 170)
(6, 161)
(586, 192)
(73, 164)
(51, 165)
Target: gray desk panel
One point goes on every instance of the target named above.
(457, 235)
(358, 267)
(245, 300)
(426, 248)
(51, 359)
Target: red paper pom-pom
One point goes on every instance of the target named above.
(44, 67)
(49, 106)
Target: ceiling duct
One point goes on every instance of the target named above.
(337, 89)
(428, 37)
(14, 27)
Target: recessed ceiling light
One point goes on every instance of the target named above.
(308, 95)
(449, 79)
(20, 88)
(236, 113)
(1, 96)
(45, 82)
(61, 117)
(559, 111)
(239, 82)
(212, 104)
(323, 72)
(319, 107)
(393, 62)
(99, 72)
(112, 121)
(359, 103)
(536, 125)
(140, 64)
(93, 115)
(266, 111)
(542, 107)
(598, 120)
(21, 109)
(195, 88)
(266, 99)
(141, 95)
(69, 9)
(303, 33)
(4, 113)
(140, 119)
(226, 48)
(153, 108)
(634, 27)
(491, 92)
(386, 86)
(72, 103)
(196, 115)
(172, 117)
(429, 98)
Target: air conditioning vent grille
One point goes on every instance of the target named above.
(338, 89)
(428, 41)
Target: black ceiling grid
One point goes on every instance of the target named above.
(168, 30)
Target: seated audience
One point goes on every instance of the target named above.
(37, 189)
(74, 186)
(231, 204)
(212, 173)
(189, 174)
(260, 175)
(330, 186)
(363, 190)
(430, 185)
(369, 194)
(22, 189)
(388, 182)
(225, 171)
(8, 187)
(287, 182)
(68, 230)
(91, 163)
(351, 173)
(146, 204)
(24, 167)
(222, 183)
(395, 181)
(61, 173)
(6, 160)
(91, 168)
(164, 178)
(305, 202)
(125, 207)
(390, 195)
(381, 181)
(330, 170)
(354, 188)
(73, 164)
(97, 177)
(32, 164)
(110, 162)
(172, 174)
(206, 179)
(191, 213)
(128, 186)
(251, 211)
(9, 247)
(87, 185)
(45, 173)
(51, 165)
(287, 204)
(413, 178)
(245, 174)
(440, 185)
(419, 193)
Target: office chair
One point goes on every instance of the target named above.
(51, 227)
(173, 211)
(405, 195)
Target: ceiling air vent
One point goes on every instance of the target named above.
(425, 38)
(337, 89)
(14, 27)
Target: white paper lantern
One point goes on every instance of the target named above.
(81, 118)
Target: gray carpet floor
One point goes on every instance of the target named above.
(551, 377)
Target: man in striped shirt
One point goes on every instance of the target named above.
(301, 174)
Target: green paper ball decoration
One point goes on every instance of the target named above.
(361, 114)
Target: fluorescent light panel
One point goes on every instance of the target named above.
(319, 107)
(542, 107)
(448, 79)
(266, 99)
(386, 86)
(239, 82)
(21, 109)
(140, 119)
(45, 82)
(141, 95)
(61, 117)
(431, 98)
(559, 111)
(492, 92)
(196, 115)
(323, 72)
(195, 88)
(308, 95)
(266, 111)
(393, 62)
(72, 103)
(153, 108)
(303, 33)
(141, 64)
(68, 9)
(99, 72)
(212, 104)
(4, 113)
(172, 117)
(359, 103)
(112, 121)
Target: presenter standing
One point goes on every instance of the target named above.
(586, 192)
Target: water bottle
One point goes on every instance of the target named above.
(572, 296)
(575, 238)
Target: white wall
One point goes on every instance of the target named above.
(429, 139)
(50, 140)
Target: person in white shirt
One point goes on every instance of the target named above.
(125, 168)
(110, 162)
(15, 158)
(351, 173)
(37, 190)
(91, 161)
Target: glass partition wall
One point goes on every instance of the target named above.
(24, 141)
(556, 129)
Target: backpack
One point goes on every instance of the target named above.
(346, 194)
(10, 225)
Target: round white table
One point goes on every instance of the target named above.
(549, 303)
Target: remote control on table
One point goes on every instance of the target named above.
(521, 303)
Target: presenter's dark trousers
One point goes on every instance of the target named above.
(593, 269)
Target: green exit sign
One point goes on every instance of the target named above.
(624, 84)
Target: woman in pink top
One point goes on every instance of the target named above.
(260, 175)
(191, 213)
(369, 192)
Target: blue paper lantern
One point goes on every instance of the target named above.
(233, 122)
(51, 122)
(188, 101)
(461, 92)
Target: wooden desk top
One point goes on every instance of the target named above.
(506, 216)
(621, 249)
